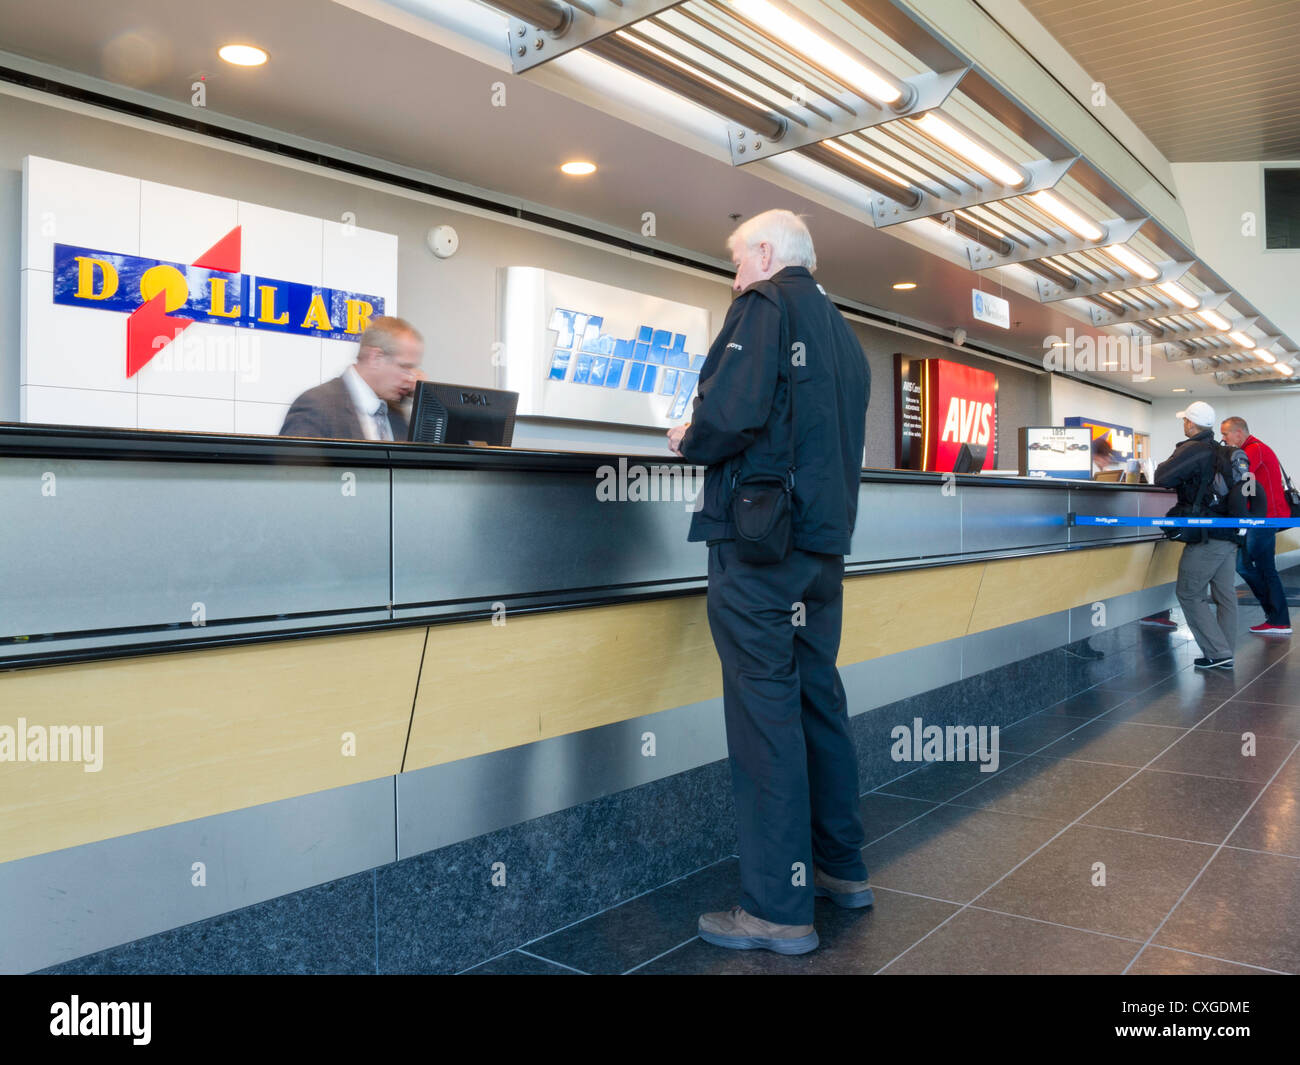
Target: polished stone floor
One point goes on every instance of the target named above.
(1180, 788)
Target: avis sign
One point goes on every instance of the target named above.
(941, 405)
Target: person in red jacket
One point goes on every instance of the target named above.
(1255, 563)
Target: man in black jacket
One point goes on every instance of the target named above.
(1188, 470)
(777, 627)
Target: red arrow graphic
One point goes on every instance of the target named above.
(149, 328)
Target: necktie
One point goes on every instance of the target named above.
(381, 419)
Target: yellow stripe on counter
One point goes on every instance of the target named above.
(487, 687)
(1017, 589)
(197, 733)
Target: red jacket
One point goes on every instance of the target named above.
(1268, 474)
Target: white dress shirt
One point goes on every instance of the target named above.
(370, 408)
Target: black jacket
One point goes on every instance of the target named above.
(1188, 469)
(327, 411)
(741, 413)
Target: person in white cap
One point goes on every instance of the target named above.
(1212, 562)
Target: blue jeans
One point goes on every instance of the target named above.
(1256, 565)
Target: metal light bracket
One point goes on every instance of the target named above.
(1118, 231)
(924, 92)
(1171, 337)
(1100, 317)
(1169, 271)
(590, 19)
(1042, 174)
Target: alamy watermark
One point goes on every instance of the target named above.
(920, 742)
(1088, 354)
(53, 743)
(650, 484)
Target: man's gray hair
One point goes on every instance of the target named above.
(791, 242)
(384, 333)
(1237, 423)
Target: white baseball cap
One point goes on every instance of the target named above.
(1198, 413)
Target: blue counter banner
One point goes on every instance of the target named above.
(1187, 523)
(111, 281)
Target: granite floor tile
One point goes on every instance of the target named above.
(1178, 805)
(1047, 787)
(1245, 908)
(620, 938)
(1183, 701)
(518, 964)
(1113, 742)
(1032, 734)
(1160, 961)
(1289, 775)
(1222, 754)
(1273, 824)
(979, 943)
(1091, 703)
(940, 781)
(852, 941)
(882, 813)
(1284, 691)
(955, 853)
(1263, 719)
(1144, 878)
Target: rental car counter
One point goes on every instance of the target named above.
(316, 663)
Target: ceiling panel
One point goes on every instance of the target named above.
(1205, 80)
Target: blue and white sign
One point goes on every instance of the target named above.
(989, 308)
(582, 350)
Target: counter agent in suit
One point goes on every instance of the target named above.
(362, 402)
(794, 768)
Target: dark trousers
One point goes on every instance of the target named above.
(793, 764)
(1258, 569)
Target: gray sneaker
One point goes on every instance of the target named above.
(739, 930)
(849, 894)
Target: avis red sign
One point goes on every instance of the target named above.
(942, 405)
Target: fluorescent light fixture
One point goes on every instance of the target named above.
(1283, 368)
(1214, 320)
(1179, 390)
(1178, 294)
(904, 286)
(242, 55)
(1067, 216)
(957, 142)
(816, 48)
(862, 161)
(694, 72)
(1267, 356)
(1132, 261)
(578, 168)
(1061, 344)
(1238, 337)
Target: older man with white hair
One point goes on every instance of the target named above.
(783, 394)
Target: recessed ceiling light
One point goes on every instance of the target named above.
(1180, 390)
(578, 168)
(1061, 344)
(903, 286)
(242, 55)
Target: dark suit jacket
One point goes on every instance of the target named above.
(327, 411)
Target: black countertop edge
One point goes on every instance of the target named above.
(690, 586)
(30, 440)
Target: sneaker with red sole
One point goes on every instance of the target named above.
(1160, 623)
(1271, 630)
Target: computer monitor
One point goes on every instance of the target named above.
(462, 414)
(970, 459)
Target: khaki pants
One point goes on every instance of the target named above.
(1212, 563)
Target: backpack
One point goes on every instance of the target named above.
(1228, 492)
